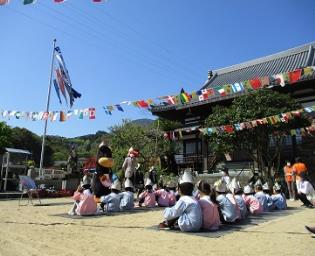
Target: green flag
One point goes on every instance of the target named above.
(29, 1)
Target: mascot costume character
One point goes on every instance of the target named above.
(103, 177)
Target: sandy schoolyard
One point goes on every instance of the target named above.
(47, 230)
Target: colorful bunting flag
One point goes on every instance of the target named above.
(294, 76)
(119, 107)
(29, 2)
(92, 113)
(279, 79)
(59, 1)
(3, 2)
(237, 87)
(255, 83)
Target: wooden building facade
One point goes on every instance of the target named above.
(193, 149)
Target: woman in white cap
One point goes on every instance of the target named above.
(227, 210)
(187, 211)
(278, 198)
(147, 197)
(127, 200)
(111, 202)
(252, 203)
(306, 192)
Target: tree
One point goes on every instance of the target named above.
(256, 142)
(5, 136)
(25, 139)
(148, 139)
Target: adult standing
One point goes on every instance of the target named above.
(289, 179)
(130, 163)
(298, 169)
(226, 177)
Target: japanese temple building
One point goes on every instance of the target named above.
(194, 151)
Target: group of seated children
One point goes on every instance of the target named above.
(117, 200)
(85, 203)
(225, 203)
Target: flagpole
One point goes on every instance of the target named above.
(47, 110)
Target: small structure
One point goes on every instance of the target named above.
(14, 163)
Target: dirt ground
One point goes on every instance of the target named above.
(44, 230)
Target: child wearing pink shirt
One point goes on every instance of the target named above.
(84, 201)
(252, 203)
(147, 198)
(210, 213)
(162, 197)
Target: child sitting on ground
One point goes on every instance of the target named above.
(162, 197)
(147, 198)
(227, 210)
(126, 202)
(111, 202)
(171, 193)
(261, 196)
(210, 213)
(266, 190)
(252, 203)
(278, 198)
(236, 198)
(84, 201)
(186, 212)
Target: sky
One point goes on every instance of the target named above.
(134, 49)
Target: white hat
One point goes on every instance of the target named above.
(220, 186)
(277, 186)
(128, 183)
(248, 189)
(148, 182)
(265, 186)
(116, 185)
(258, 182)
(234, 186)
(186, 177)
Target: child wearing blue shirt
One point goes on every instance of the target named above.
(127, 202)
(278, 199)
(112, 201)
(187, 211)
(261, 196)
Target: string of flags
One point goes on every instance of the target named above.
(283, 79)
(26, 2)
(230, 128)
(53, 116)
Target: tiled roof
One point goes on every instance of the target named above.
(285, 61)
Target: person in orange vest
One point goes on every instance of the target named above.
(298, 168)
(288, 174)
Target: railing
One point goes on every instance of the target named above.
(51, 174)
(181, 159)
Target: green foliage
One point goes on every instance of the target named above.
(148, 139)
(255, 141)
(5, 136)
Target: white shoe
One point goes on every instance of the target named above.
(71, 213)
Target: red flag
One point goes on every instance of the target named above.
(91, 113)
(255, 83)
(59, 1)
(295, 75)
(61, 84)
(63, 116)
(3, 2)
(142, 104)
(228, 128)
(171, 100)
(97, 1)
